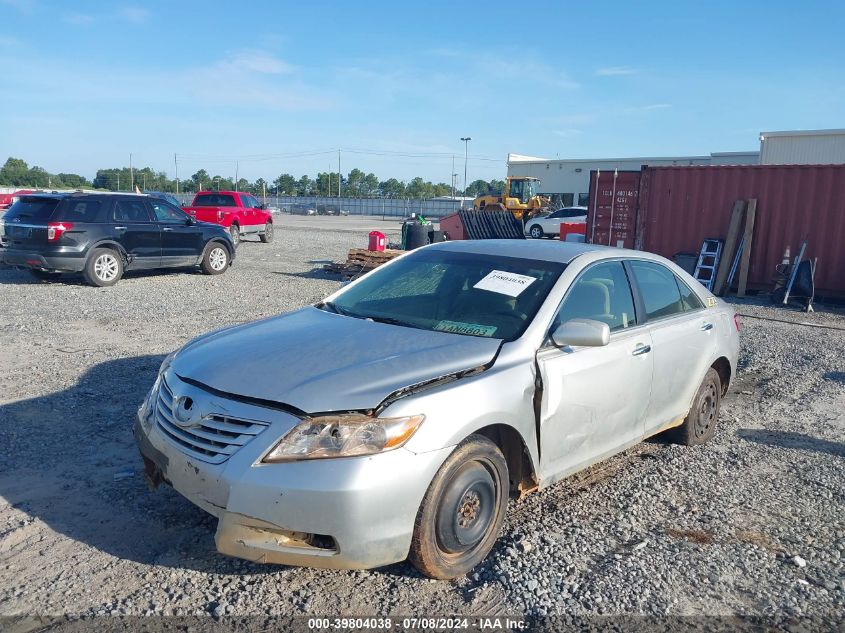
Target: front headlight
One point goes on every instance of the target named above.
(343, 436)
(166, 362)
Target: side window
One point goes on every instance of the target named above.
(659, 289)
(82, 211)
(167, 214)
(249, 202)
(688, 297)
(583, 199)
(602, 293)
(130, 211)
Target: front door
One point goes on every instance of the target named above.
(594, 399)
(181, 238)
(135, 230)
(683, 342)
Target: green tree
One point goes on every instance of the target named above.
(285, 185)
(370, 187)
(201, 180)
(498, 186)
(392, 188)
(14, 172)
(303, 186)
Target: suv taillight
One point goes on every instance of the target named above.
(55, 230)
(736, 321)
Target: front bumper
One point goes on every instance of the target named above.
(350, 513)
(35, 260)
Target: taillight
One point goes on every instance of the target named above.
(219, 215)
(736, 321)
(55, 230)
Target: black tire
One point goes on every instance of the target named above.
(462, 512)
(44, 275)
(267, 235)
(700, 425)
(235, 232)
(216, 259)
(104, 267)
(536, 231)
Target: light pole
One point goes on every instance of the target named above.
(466, 140)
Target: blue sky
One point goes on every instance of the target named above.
(83, 84)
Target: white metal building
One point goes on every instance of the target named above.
(803, 147)
(567, 181)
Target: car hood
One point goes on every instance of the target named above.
(317, 361)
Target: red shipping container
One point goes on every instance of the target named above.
(612, 211)
(680, 206)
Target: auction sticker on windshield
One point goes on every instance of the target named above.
(505, 283)
(473, 329)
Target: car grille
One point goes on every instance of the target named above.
(214, 440)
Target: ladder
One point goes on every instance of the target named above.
(708, 262)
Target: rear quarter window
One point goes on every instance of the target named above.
(90, 211)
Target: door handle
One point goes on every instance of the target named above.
(706, 327)
(641, 349)
(166, 228)
(120, 228)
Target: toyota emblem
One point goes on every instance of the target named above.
(185, 412)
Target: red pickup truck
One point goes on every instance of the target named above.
(240, 212)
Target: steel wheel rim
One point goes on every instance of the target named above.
(217, 259)
(268, 230)
(105, 267)
(468, 509)
(706, 410)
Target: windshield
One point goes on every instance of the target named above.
(462, 293)
(523, 190)
(214, 200)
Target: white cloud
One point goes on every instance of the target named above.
(78, 19)
(135, 15)
(616, 71)
(256, 62)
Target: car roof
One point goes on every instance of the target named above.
(543, 250)
(226, 192)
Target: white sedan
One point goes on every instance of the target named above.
(549, 224)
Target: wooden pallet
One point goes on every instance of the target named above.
(360, 261)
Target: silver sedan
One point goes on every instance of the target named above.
(396, 418)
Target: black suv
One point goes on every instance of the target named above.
(103, 235)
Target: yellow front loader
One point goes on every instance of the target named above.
(519, 197)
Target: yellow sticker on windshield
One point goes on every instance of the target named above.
(473, 329)
(711, 302)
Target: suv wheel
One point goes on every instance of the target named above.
(536, 232)
(104, 267)
(462, 513)
(267, 235)
(216, 259)
(235, 232)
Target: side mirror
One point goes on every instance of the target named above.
(586, 332)
(189, 221)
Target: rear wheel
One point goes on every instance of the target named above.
(104, 267)
(216, 259)
(44, 275)
(267, 235)
(462, 512)
(235, 232)
(700, 425)
(536, 231)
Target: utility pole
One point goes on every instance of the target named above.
(176, 164)
(118, 181)
(236, 175)
(131, 174)
(453, 176)
(466, 140)
(339, 180)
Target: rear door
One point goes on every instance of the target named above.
(683, 341)
(181, 238)
(594, 399)
(24, 225)
(135, 230)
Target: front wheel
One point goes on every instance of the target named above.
(104, 267)
(267, 235)
(216, 259)
(536, 232)
(462, 512)
(235, 232)
(700, 425)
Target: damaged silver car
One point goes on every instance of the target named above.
(397, 417)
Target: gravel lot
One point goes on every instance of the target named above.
(752, 523)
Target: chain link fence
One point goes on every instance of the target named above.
(385, 207)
